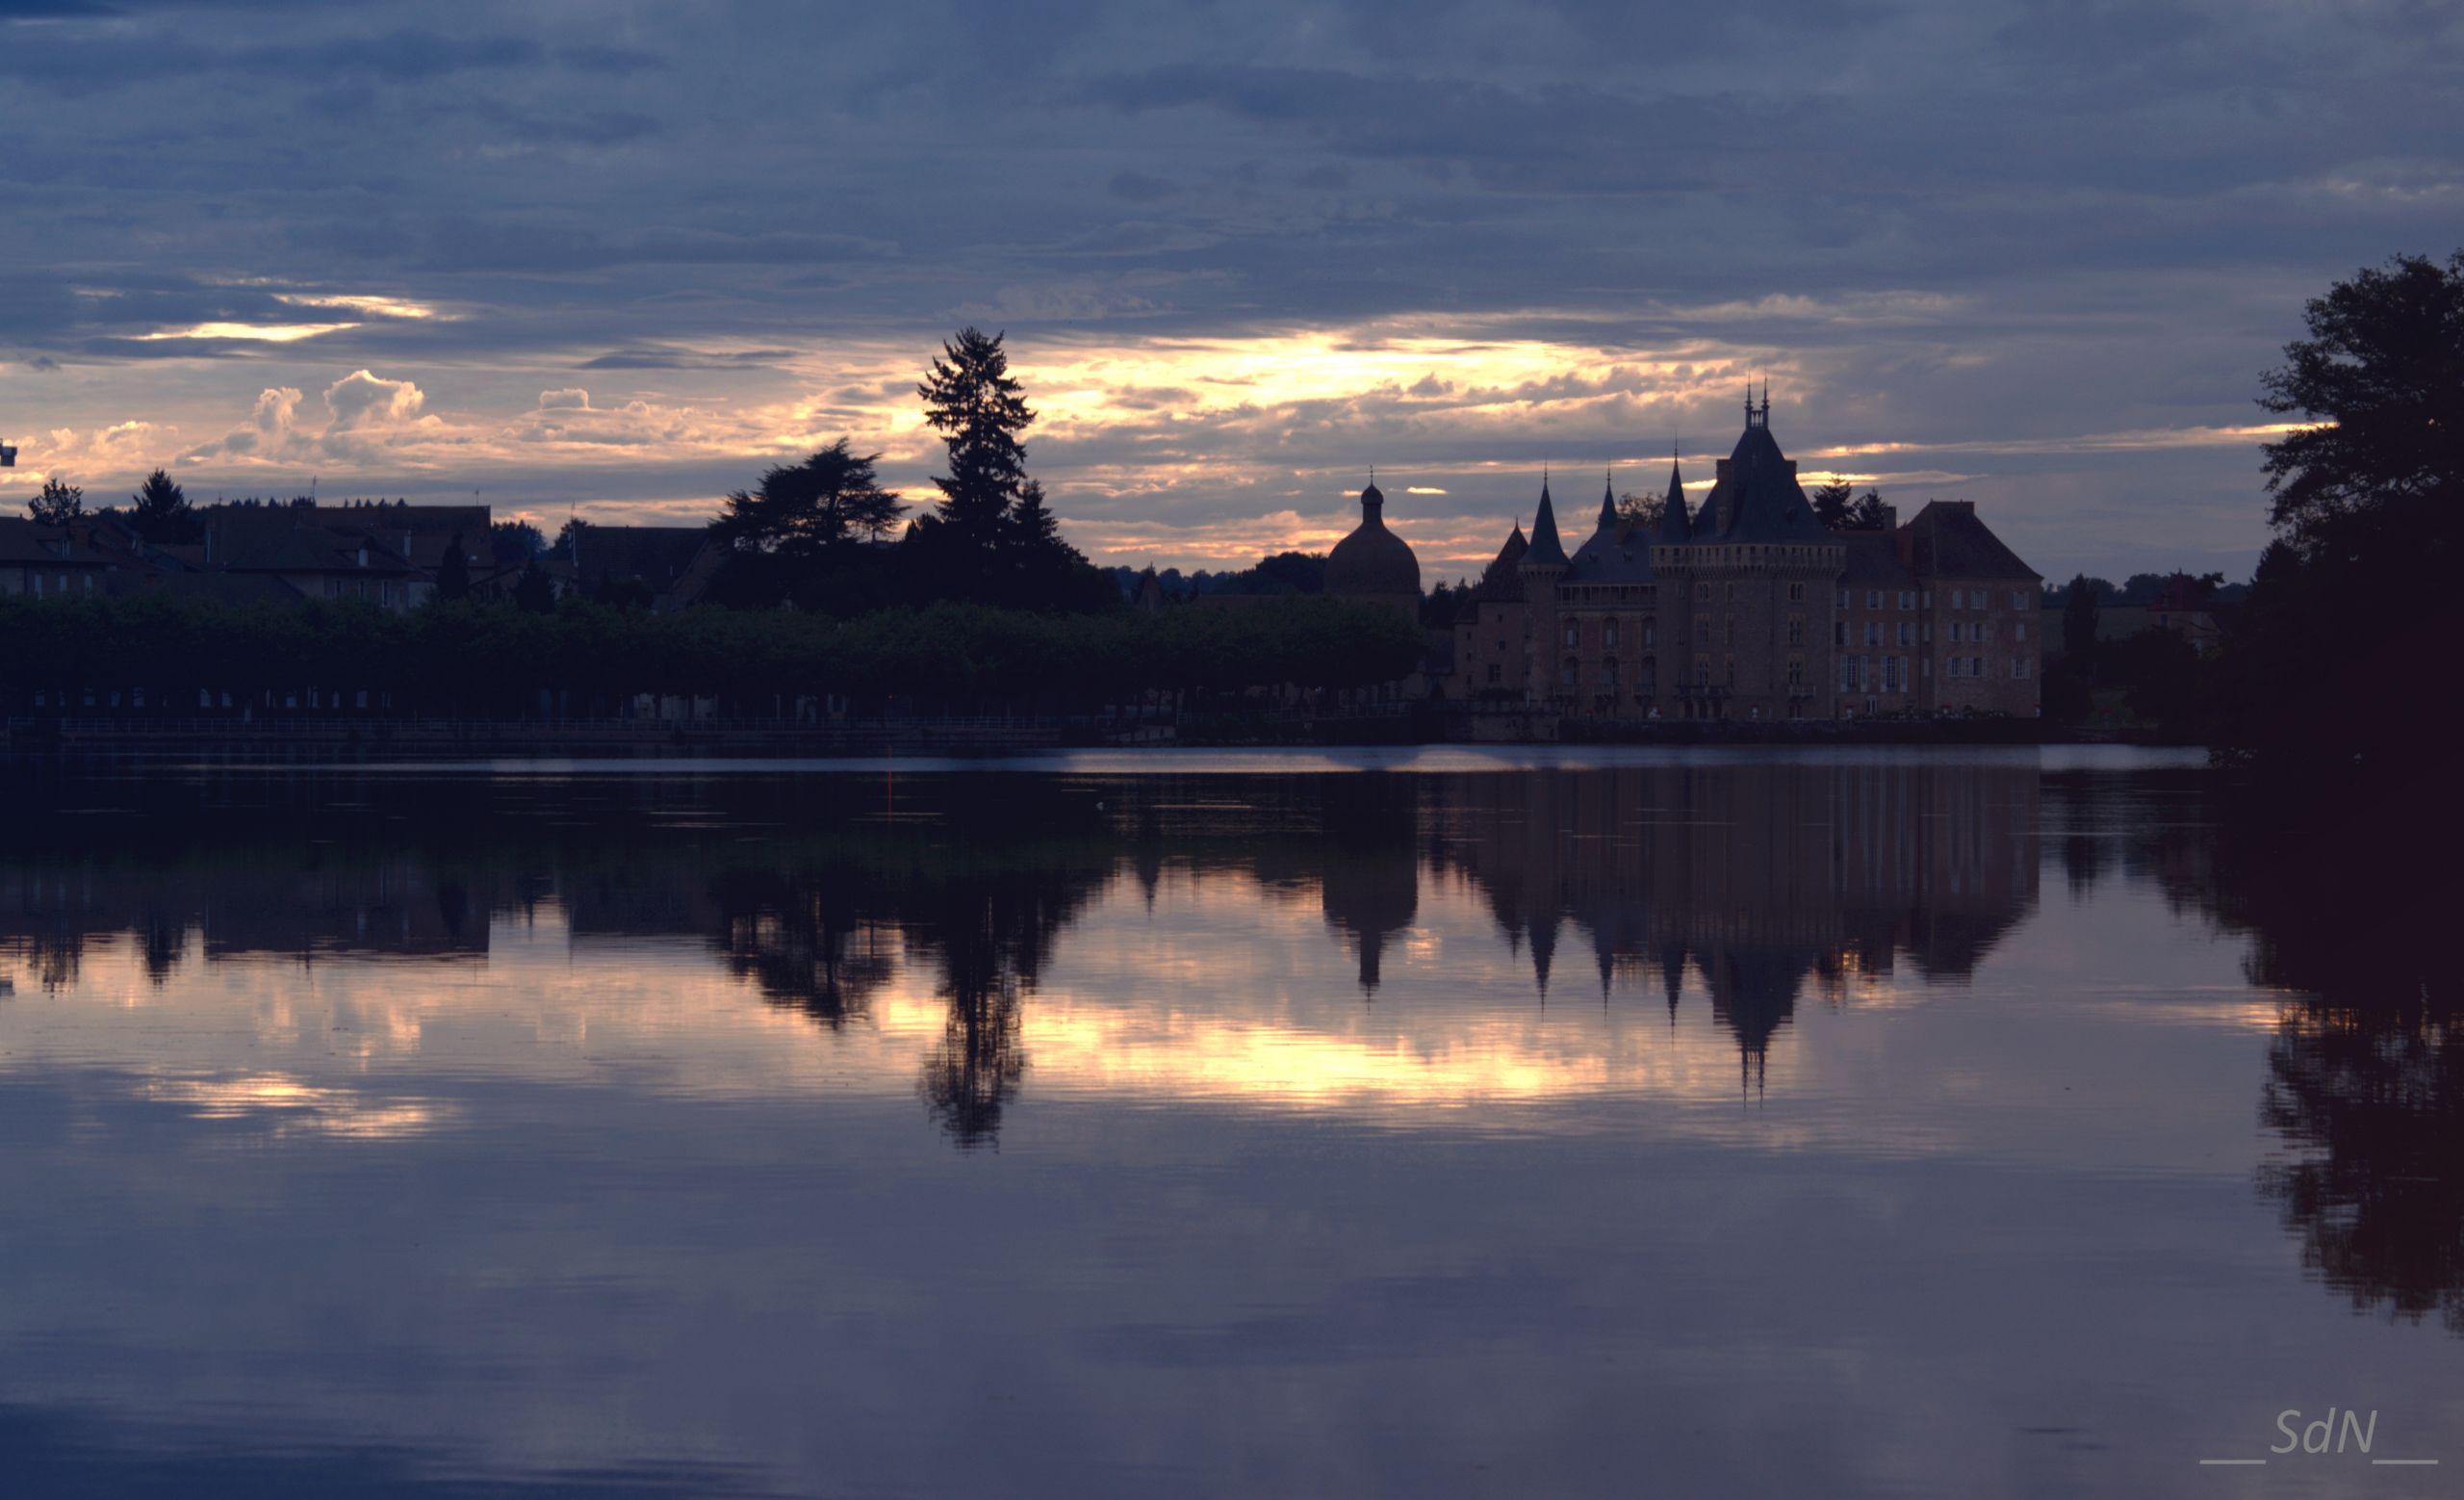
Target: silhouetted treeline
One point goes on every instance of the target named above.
(2343, 649)
(159, 654)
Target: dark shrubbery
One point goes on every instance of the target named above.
(469, 659)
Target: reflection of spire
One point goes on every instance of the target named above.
(1544, 947)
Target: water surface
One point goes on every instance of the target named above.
(1451, 1122)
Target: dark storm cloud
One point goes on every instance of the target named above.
(1943, 221)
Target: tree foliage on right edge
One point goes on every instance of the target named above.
(2345, 639)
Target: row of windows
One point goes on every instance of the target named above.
(1909, 598)
(59, 583)
(1974, 667)
(1879, 674)
(1874, 598)
(1607, 635)
(1570, 674)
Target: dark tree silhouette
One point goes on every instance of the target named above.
(971, 401)
(805, 510)
(162, 510)
(2079, 620)
(2379, 385)
(1640, 512)
(2369, 501)
(453, 572)
(515, 541)
(59, 502)
(1839, 507)
(534, 591)
(1032, 526)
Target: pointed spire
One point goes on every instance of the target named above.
(1608, 503)
(1674, 523)
(1545, 550)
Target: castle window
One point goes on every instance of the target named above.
(1796, 593)
(1873, 598)
(1796, 630)
(1904, 631)
(1494, 672)
(1566, 673)
(1976, 666)
(1908, 599)
(2018, 599)
(1609, 637)
(1928, 595)
(1651, 635)
(1796, 671)
(1873, 634)
(1840, 632)
(1844, 599)
(1573, 632)
(1703, 593)
(2023, 628)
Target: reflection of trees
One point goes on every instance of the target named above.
(2373, 1106)
(2365, 1086)
(796, 935)
(2366, 1073)
(989, 918)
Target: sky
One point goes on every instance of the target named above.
(612, 260)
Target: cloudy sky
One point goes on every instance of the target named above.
(614, 258)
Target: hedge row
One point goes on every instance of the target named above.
(483, 658)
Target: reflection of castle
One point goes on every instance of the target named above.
(1759, 876)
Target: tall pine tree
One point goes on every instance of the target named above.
(162, 510)
(971, 401)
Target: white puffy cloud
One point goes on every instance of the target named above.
(96, 458)
(363, 401)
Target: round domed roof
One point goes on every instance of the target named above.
(1373, 560)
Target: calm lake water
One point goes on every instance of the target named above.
(1412, 1123)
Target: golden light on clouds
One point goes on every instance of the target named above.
(371, 306)
(249, 332)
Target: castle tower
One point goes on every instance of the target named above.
(1749, 589)
(1543, 565)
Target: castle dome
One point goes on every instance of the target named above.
(1372, 562)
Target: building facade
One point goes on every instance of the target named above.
(1747, 608)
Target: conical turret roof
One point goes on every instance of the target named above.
(1547, 552)
(1674, 523)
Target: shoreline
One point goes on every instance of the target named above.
(285, 740)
